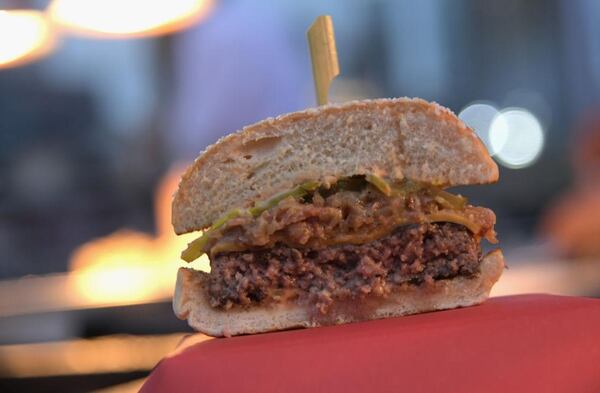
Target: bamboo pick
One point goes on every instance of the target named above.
(323, 55)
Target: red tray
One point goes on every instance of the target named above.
(528, 343)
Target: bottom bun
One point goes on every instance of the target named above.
(191, 302)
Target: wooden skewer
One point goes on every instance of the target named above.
(323, 55)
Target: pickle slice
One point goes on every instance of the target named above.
(195, 249)
(297, 192)
(380, 184)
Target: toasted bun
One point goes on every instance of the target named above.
(190, 303)
(395, 138)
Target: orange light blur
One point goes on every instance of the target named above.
(25, 36)
(127, 18)
(108, 354)
(134, 267)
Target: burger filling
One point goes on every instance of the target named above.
(358, 238)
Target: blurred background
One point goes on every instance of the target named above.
(103, 102)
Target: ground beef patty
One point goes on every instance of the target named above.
(413, 254)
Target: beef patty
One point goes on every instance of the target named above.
(413, 254)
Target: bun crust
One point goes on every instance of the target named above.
(190, 302)
(395, 138)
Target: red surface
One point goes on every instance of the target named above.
(530, 343)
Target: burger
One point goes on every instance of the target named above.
(333, 215)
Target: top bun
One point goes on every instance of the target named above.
(391, 138)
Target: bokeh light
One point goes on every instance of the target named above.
(127, 18)
(479, 116)
(25, 35)
(517, 137)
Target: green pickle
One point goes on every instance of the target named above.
(196, 248)
(407, 187)
(456, 202)
(297, 192)
(380, 184)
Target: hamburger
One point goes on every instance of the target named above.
(333, 215)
